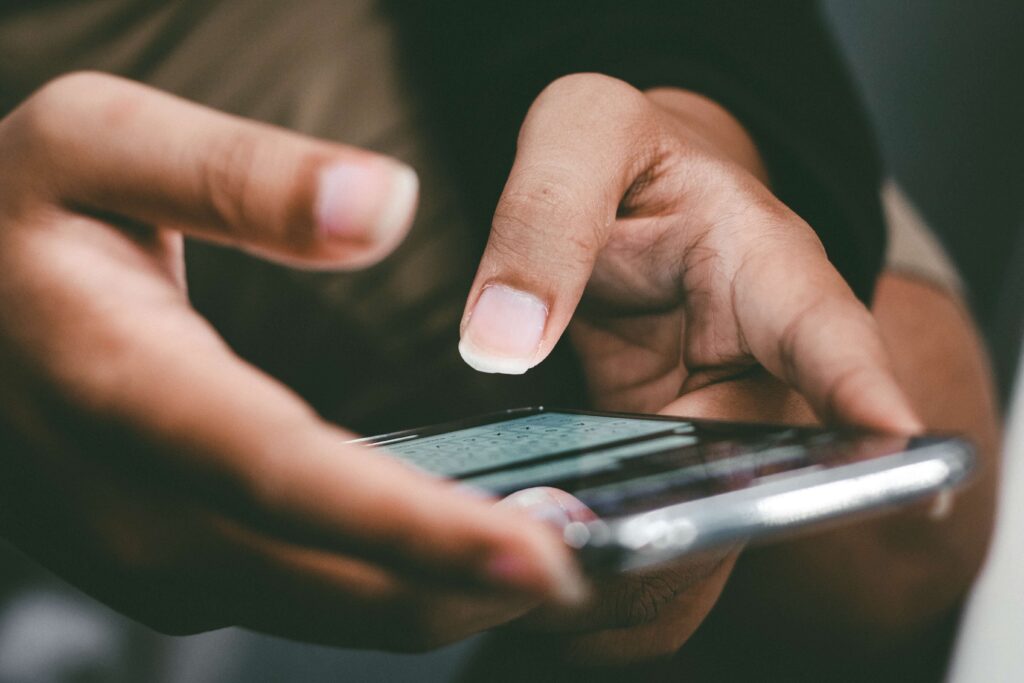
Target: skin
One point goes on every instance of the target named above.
(144, 462)
(147, 464)
(684, 301)
(892, 584)
(880, 587)
(647, 216)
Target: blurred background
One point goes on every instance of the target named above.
(942, 80)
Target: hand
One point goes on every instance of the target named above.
(643, 223)
(141, 460)
(638, 618)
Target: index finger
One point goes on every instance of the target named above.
(812, 332)
(250, 447)
(104, 145)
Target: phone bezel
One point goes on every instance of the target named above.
(874, 485)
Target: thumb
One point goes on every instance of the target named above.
(580, 148)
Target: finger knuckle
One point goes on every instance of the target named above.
(226, 172)
(60, 108)
(757, 223)
(535, 209)
(793, 335)
(235, 188)
(542, 188)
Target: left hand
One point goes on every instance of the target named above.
(637, 616)
(645, 221)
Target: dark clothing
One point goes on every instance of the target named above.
(445, 87)
(772, 65)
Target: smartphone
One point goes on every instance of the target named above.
(662, 487)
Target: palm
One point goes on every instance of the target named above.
(631, 330)
(630, 362)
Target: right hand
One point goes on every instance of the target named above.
(143, 461)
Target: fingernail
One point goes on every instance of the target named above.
(540, 505)
(504, 331)
(563, 580)
(366, 199)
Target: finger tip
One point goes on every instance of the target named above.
(898, 417)
(545, 572)
(890, 422)
(364, 208)
(871, 398)
(912, 425)
(481, 361)
(534, 559)
(396, 216)
(573, 591)
(554, 507)
(504, 331)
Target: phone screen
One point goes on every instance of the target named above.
(618, 464)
